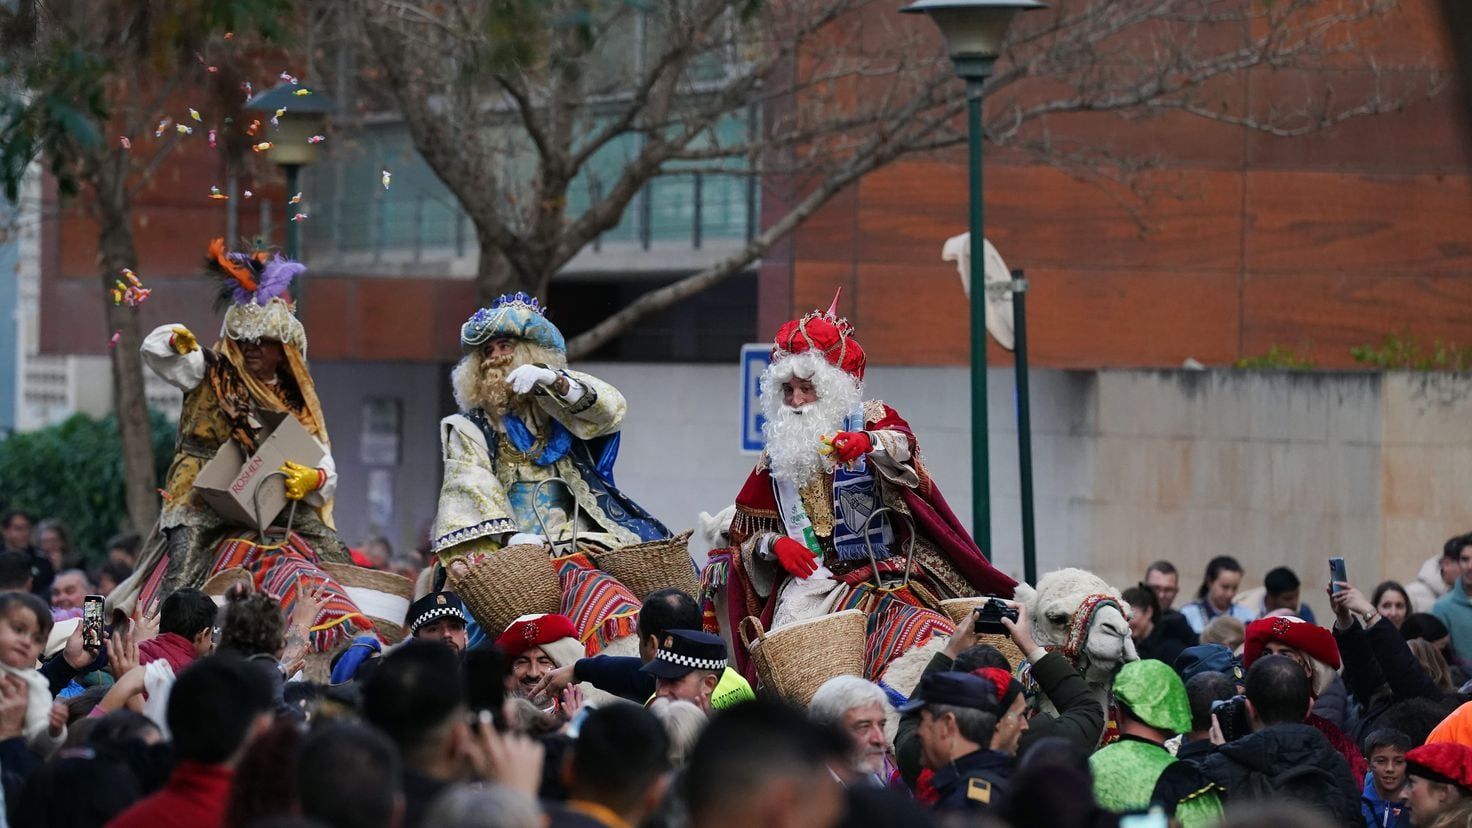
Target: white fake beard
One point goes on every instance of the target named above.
(793, 435)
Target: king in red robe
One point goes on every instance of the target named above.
(840, 502)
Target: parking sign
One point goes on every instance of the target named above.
(754, 360)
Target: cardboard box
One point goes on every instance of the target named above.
(236, 486)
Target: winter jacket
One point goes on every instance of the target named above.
(1382, 813)
(1292, 761)
(974, 782)
(1080, 720)
(1454, 609)
(1427, 587)
(1333, 705)
(1380, 670)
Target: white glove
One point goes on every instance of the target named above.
(522, 538)
(523, 379)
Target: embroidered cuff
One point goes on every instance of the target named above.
(480, 530)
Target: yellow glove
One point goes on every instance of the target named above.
(182, 341)
(301, 480)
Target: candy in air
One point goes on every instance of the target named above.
(123, 139)
(194, 113)
(387, 176)
(299, 217)
(296, 199)
(316, 139)
(217, 195)
(262, 146)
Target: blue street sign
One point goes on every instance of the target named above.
(754, 360)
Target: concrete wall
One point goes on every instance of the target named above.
(1130, 466)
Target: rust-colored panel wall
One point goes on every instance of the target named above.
(1233, 242)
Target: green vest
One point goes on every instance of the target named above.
(1125, 774)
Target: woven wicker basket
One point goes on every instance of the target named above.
(382, 596)
(653, 565)
(220, 583)
(960, 608)
(794, 660)
(509, 583)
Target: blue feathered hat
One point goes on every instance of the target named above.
(513, 315)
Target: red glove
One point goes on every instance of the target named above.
(849, 446)
(798, 560)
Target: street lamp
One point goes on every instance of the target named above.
(975, 31)
(291, 146)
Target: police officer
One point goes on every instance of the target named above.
(969, 726)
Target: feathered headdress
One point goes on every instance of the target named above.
(253, 291)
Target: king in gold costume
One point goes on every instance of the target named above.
(259, 365)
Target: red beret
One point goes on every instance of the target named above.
(531, 631)
(1297, 633)
(1449, 762)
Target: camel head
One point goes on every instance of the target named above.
(1098, 650)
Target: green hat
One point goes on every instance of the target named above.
(1155, 693)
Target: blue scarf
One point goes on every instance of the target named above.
(558, 443)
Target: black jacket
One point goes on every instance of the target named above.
(975, 781)
(1080, 720)
(1380, 670)
(1292, 761)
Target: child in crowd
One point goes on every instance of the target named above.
(25, 624)
(1384, 800)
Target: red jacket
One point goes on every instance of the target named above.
(195, 797)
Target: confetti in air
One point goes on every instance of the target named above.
(132, 293)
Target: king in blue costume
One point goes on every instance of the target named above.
(525, 418)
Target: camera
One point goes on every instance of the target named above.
(1231, 717)
(989, 619)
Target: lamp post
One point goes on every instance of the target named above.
(291, 147)
(974, 31)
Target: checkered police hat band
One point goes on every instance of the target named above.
(434, 615)
(712, 664)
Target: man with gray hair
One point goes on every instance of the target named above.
(857, 707)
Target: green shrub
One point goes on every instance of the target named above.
(74, 471)
(1277, 358)
(1399, 352)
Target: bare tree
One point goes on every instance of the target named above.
(509, 101)
(89, 86)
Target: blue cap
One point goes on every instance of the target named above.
(1207, 658)
(955, 689)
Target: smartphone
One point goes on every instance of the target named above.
(92, 622)
(1336, 573)
(485, 672)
